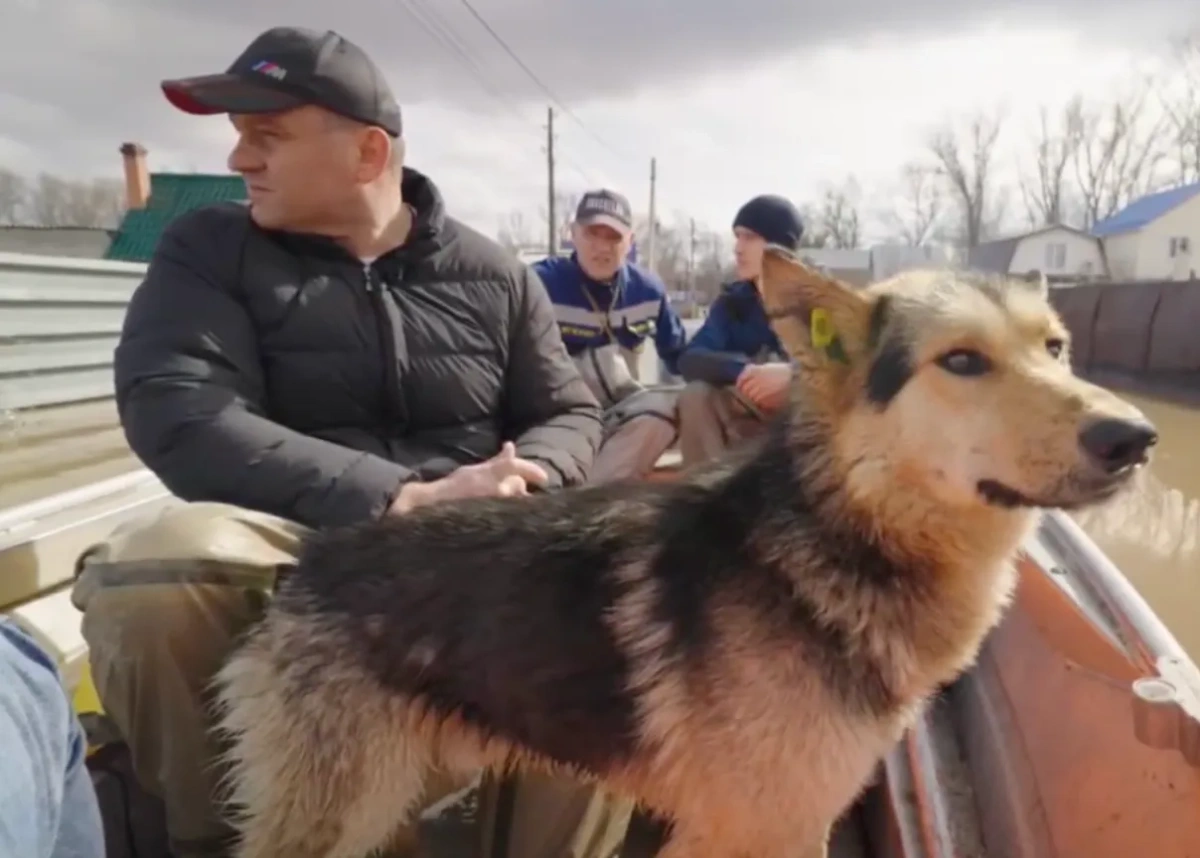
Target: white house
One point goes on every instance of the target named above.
(891, 259)
(1060, 252)
(1153, 238)
(852, 266)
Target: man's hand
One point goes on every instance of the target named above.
(766, 385)
(504, 475)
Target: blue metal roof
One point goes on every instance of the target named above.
(1141, 211)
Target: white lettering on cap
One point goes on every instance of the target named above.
(606, 205)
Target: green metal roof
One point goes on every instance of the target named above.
(171, 194)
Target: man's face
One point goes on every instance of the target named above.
(748, 249)
(302, 167)
(601, 249)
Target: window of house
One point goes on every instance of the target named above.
(1056, 255)
(1180, 246)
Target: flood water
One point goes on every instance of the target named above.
(1153, 533)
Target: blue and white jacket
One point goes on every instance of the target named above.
(735, 333)
(634, 305)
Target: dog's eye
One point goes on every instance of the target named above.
(964, 362)
(1055, 347)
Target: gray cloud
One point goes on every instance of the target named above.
(79, 76)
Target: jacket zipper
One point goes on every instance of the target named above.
(393, 407)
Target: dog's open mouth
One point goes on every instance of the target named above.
(1073, 494)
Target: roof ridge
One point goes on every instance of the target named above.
(206, 176)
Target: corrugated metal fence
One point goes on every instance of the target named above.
(1149, 329)
(59, 321)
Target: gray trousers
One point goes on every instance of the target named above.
(712, 420)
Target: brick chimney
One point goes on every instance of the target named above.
(137, 176)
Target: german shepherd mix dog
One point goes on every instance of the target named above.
(736, 650)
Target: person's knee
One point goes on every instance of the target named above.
(696, 397)
(152, 639)
(208, 531)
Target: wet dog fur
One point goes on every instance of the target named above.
(737, 649)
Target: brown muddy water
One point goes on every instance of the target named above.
(1153, 533)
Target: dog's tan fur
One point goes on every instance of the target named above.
(754, 754)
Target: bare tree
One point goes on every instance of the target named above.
(839, 219)
(1181, 106)
(714, 264)
(815, 234)
(1044, 184)
(101, 202)
(515, 232)
(965, 158)
(14, 194)
(919, 206)
(565, 203)
(1120, 151)
(48, 201)
(55, 201)
(699, 262)
(672, 245)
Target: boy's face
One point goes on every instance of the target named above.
(748, 253)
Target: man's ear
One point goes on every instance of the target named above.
(815, 316)
(379, 152)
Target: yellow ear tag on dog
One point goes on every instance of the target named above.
(824, 336)
(821, 329)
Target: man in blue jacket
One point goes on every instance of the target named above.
(607, 309)
(737, 370)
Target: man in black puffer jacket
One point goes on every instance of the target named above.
(336, 351)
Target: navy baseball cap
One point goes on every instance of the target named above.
(288, 67)
(605, 207)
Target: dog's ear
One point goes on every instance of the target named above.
(815, 316)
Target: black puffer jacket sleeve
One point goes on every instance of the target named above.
(549, 409)
(190, 391)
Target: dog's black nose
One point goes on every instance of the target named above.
(1116, 444)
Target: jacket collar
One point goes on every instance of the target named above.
(427, 236)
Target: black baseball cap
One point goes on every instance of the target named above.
(606, 207)
(289, 67)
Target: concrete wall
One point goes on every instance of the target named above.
(82, 242)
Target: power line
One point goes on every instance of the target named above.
(552, 216)
(538, 81)
(443, 32)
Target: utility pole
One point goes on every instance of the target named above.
(692, 261)
(551, 214)
(651, 240)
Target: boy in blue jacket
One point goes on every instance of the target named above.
(607, 309)
(737, 370)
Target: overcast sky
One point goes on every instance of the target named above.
(734, 98)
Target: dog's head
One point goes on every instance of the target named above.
(953, 386)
